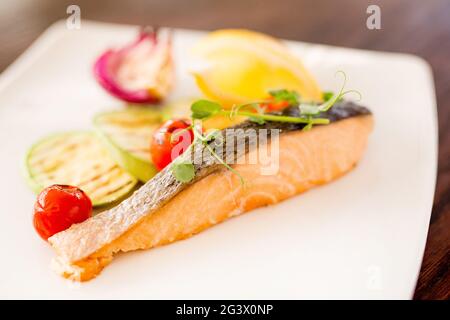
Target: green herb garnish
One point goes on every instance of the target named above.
(309, 109)
(204, 109)
(183, 169)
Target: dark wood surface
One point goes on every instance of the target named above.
(414, 26)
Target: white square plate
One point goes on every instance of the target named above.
(362, 236)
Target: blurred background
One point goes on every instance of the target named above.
(412, 26)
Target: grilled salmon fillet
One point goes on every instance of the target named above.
(306, 159)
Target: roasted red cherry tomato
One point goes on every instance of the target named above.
(58, 207)
(165, 148)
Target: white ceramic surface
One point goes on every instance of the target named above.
(362, 236)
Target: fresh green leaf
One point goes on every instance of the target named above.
(183, 171)
(327, 95)
(203, 109)
(285, 95)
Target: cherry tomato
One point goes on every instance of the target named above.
(58, 207)
(164, 149)
(276, 105)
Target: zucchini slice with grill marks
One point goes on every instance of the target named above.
(78, 159)
(127, 135)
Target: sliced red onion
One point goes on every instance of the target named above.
(141, 72)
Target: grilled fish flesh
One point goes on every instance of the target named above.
(165, 210)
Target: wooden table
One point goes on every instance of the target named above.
(414, 26)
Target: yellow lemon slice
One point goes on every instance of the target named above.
(242, 66)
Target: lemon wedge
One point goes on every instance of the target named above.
(242, 66)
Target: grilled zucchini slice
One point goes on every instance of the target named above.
(78, 159)
(127, 135)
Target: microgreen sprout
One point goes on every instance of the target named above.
(309, 109)
(183, 169)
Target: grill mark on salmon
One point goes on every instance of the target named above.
(163, 210)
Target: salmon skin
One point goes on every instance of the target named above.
(165, 210)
